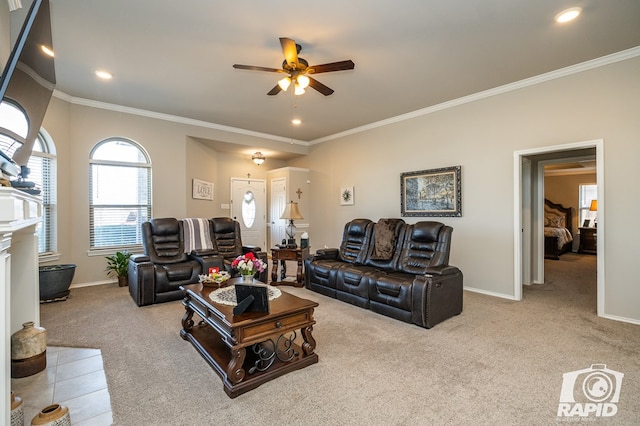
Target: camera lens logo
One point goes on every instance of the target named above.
(597, 387)
(593, 391)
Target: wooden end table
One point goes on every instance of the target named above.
(252, 348)
(283, 254)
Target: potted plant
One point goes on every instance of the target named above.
(118, 265)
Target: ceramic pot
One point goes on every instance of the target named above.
(28, 350)
(247, 278)
(52, 415)
(55, 281)
(17, 411)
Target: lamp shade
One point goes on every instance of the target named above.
(291, 212)
(594, 206)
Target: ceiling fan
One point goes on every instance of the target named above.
(298, 69)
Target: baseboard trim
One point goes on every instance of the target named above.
(93, 283)
(622, 319)
(490, 293)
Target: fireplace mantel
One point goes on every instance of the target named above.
(20, 213)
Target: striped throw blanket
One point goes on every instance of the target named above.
(196, 235)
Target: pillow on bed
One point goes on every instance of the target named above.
(554, 221)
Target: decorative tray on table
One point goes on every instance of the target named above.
(214, 279)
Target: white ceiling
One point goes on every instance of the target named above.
(176, 57)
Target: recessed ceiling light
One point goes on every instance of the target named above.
(47, 51)
(296, 121)
(568, 15)
(105, 75)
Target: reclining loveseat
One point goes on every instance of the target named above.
(173, 257)
(393, 268)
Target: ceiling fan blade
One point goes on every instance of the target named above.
(276, 89)
(320, 87)
(255, 68)
(290, 50)
(333, 66)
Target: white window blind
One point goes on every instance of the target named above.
(42, 172)
(587, 193)
(120, 194)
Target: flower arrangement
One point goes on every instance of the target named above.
(248, 264)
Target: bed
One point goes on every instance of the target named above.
(558, 237)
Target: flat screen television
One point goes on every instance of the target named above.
(27, 82)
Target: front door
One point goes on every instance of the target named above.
(248, 207)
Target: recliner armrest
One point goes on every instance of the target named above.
(208, 259)
(139, 258)
(442, 270)
(326, 254)
(254, 249)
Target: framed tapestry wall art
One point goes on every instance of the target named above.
(435, 192)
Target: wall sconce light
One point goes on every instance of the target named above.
(258, 158)
(291, 213)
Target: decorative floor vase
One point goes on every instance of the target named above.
(55, 281)
(28, 350)
(52, 415)
(17, 411)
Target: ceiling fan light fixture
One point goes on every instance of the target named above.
(258, 158)
(284, 83)
(299, 90)
(568, 15)
(303, 81)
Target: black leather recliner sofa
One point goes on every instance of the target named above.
(393, 268)
(156, 275)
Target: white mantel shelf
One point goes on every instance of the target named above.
(20, 213)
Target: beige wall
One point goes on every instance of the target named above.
(482, 136)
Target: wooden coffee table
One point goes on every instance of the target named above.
(250, 349)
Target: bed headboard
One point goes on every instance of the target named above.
(555, 214)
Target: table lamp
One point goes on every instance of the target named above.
(291, 213)
(594, 208)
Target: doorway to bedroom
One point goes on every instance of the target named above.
(533, 261)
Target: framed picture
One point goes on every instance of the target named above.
(586, 223)
(202, 190)
(346, 196)
(435, 192)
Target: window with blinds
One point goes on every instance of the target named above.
(42, 172)
(119, 193)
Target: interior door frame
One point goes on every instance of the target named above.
(526, 219)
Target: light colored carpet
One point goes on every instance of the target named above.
(499, 362)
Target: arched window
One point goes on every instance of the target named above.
(42, 170)
(119, 193)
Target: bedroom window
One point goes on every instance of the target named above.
(119, 194)
(587, 193)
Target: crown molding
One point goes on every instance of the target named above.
(552, 75)
(171, 118)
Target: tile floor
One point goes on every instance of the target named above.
(74, 378)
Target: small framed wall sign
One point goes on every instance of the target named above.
(346, 196)
(202, 190)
